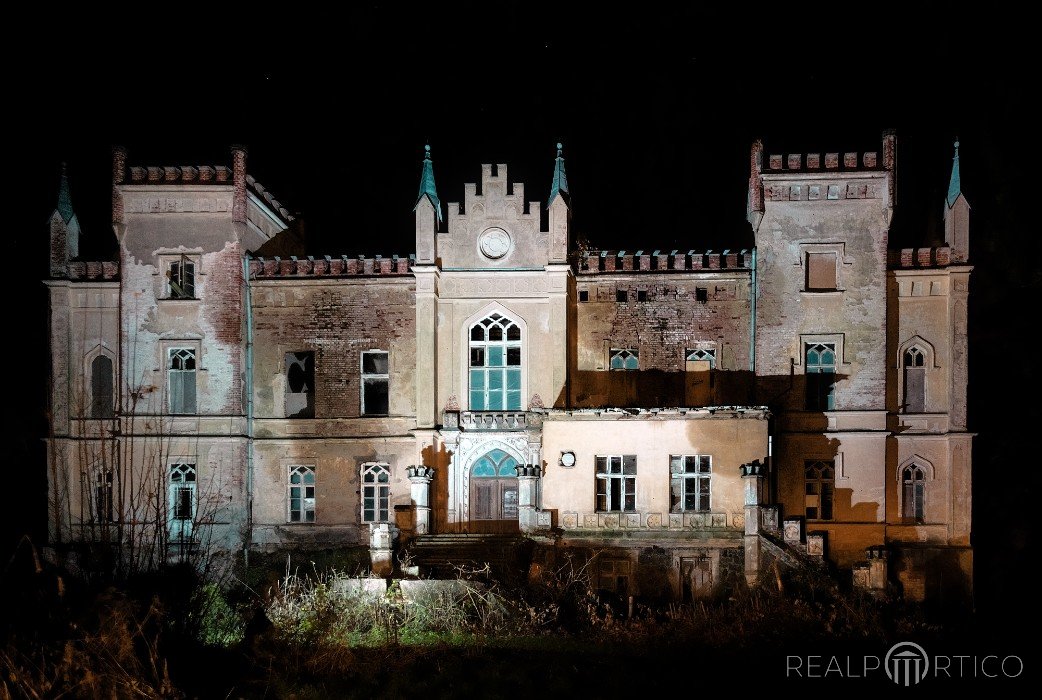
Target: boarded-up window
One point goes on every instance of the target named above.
(181, 380)
(821, 272)
(375, 379)
(300, 385)
(915, 381)
(101, 387)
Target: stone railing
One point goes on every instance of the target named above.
(489, 420)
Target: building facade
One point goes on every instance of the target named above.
(681, 416)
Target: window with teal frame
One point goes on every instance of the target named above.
(821, 376)
(495, 365)
(495, 463)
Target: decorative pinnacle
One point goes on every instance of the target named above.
(955, 184)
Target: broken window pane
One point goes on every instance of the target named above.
(300, 384)
(182, 500)
(181, 279)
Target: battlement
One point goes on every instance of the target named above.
(328, 266)
(815, 162)
(911, 258)
(201, 175)
(106, 271)
(596, 261)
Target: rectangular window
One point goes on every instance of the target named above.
(302, 494)
(701, 295)
(182, 501)
(820, 375)
(624, 358)
(181, 366)
(584, 295)
(181, 279)
(821, 272)
(300, 384)
(616, 483)
(375, 380)
(690, 482)
(621, 295)
(376, 493)
(820, 479)
(642, 295)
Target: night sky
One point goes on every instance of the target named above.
(656, 113)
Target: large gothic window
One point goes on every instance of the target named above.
(495, 365)
(913, 494)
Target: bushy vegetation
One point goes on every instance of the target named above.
(322, 632)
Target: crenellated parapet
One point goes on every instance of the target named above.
(811, 162)
(596, 261)
(201, 175)
(910, 258)
(94, 271)
(328, 266)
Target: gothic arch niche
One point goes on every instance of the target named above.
(490, 488)
(495, 359)
(915, 359)
(99, 393)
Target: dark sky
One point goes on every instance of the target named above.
(656, 111)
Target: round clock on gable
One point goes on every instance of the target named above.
(494, 243)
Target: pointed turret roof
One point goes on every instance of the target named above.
(560, 183)
(955, 184)
(64, 207)
(427, 187)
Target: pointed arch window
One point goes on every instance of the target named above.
(495, 463)
(914, 380)
(495, 364)
(913, 494)
(820, 376)
(376, 493)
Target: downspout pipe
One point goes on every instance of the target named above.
(248, 303)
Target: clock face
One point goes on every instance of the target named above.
(568, 459)
(494, 243)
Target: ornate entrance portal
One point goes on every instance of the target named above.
(493, 493)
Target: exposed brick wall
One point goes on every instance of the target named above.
(223, 311)
(337, 320)
(662, 328)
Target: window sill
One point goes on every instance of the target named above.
(822, 293)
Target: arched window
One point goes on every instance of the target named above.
(913, 494)
(101, 387)
(182, 501)
(820, 373)
(376, 493)
(495, 463)
(495, 365)
(915, 380)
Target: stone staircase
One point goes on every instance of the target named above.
(446, 556)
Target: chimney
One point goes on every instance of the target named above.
(239, 183)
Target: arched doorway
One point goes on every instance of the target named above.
(493, 493)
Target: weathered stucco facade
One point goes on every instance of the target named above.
(682, 415)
